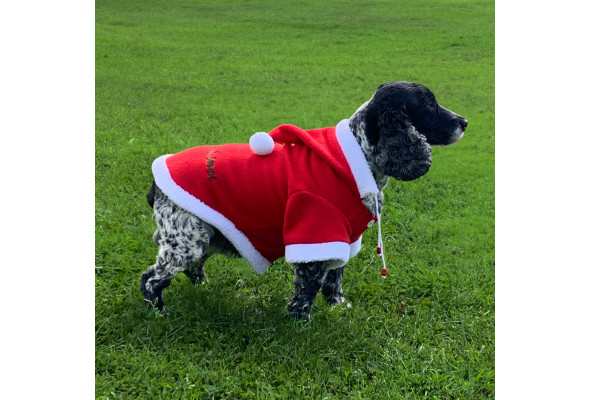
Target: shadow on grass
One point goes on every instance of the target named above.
(247, 316)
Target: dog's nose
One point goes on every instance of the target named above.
(463, 123)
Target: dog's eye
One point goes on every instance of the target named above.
(428, 107)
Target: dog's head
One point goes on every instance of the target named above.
(401, 121)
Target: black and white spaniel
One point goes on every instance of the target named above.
(388, 136)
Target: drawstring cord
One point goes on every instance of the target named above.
(380, 240)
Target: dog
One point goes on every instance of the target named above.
(312, 206)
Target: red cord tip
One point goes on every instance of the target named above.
(383, 273)
(379, 250)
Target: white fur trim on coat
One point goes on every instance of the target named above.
(336, 254)
(356, 159)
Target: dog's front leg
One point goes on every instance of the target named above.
(332, 287)
(308, 281)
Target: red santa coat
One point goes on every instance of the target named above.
(302, 201)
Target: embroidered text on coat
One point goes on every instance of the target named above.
(210, 157)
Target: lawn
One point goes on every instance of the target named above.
(176, 74)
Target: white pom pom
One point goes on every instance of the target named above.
(261, 143)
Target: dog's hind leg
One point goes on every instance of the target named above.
(332, 287)
(196, 271)
(308, 281)
(155, 280)
(173, 257)
(182, 239)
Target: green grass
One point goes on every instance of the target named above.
(175, 74)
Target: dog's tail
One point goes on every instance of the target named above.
(151, 195)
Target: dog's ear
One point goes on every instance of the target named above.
(401, 151)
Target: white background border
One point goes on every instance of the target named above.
(542, 199)
(47, 200)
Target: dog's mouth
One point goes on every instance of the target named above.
(454, 138)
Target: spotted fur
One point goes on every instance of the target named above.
(395, 130)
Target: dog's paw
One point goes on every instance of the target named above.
(342, 305)
(337, 300)
(155, 307)
(301, 312)
(196, 277)
(346, 304)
